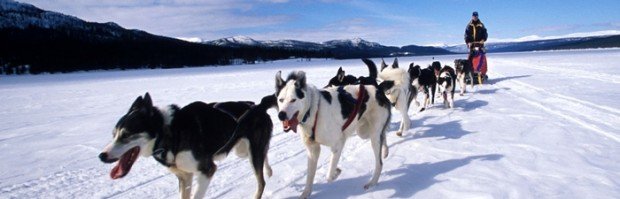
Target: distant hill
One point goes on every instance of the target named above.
(340, 49)
(53, 42)
(606, 41)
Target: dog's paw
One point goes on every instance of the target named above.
(368, 185)
(305, 194)
(335, 175)
(268, 171)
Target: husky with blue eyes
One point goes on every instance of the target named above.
(329, 117)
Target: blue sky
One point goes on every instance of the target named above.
(395, 23)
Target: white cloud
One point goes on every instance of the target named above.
(346, 29)
(176, 18)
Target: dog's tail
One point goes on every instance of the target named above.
(247, 123)
(372, 68)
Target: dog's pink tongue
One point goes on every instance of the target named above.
(117, 172)
(124, 164)
(290, 125)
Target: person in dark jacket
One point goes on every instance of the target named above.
(475, 33)
(475, 36)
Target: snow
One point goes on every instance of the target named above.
(572, 35)
(545, 126)
(191, 39)
(355, 42)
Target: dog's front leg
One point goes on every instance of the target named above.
(462, 84)
(471, 76)
(267, 168)
(426, 96)
(185, 183)
(314, 150)
(334, 171)
(203, 183)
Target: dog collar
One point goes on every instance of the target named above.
(159, 152)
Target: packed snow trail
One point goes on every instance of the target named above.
(545, 125)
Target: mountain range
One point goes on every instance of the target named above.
(340, 49)
(600, 41)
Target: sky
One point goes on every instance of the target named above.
(395, 23)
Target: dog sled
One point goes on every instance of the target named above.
(478, 59)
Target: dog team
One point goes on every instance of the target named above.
(188, 140)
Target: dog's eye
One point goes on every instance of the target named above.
(281, 100)
(293, 100)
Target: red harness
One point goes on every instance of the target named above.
(361, 94)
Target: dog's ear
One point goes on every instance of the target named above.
(395, 64)
(340, 74)
(300, 82)
(383, 65)
(137, 104)
(279, 82)
(148, 103)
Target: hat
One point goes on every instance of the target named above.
(474, 14)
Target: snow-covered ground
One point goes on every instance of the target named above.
(547, 125)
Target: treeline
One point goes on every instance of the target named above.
(66, 50)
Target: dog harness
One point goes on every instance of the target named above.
(316, 118)
(361, 94)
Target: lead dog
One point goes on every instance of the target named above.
(463, 69)
(398, 89)
(329, 116)
(186, 140)
(447, 83)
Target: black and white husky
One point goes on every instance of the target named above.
(329, 116)
(447, 83)
(425, 80)
(342, 79)
(396, 84)
(463, 69)
(186, 140)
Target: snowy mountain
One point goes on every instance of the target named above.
(343, 48)
(352, 43)
(235, 42)
(599, 41)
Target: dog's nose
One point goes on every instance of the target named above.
(282, 116)
(104, 157)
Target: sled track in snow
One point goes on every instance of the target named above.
(593, 75)
(574, 110)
